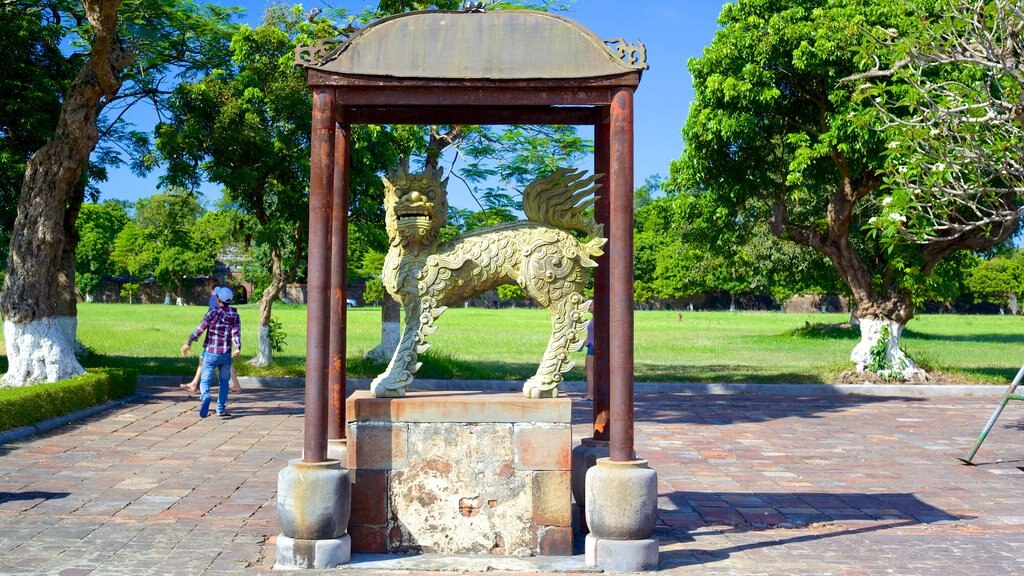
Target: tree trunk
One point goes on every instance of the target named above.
(390, 329)
(37, 348)
(265, 353)
(881, 326)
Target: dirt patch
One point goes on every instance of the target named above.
(934, 377)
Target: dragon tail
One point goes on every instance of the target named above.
(561, 200)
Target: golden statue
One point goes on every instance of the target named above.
(539, 254)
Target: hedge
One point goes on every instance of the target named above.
(31, 404)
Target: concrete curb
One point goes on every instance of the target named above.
(906, 390)
(47, 425)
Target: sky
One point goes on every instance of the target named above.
(672, 30)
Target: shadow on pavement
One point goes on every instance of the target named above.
(712, 409)
(32, 495)
(703, 514)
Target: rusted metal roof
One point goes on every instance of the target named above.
(500, 45)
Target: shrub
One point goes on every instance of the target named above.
(30, 404)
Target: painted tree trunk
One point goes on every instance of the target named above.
(879, 351)
(390, 330)
(264, 350)
(37, 348)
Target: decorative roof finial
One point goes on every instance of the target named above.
(473, 6)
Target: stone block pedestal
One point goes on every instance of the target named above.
(460, 473)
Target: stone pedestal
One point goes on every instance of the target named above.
(313, 509)
(621, 510)
(460, 473)
(584, 457)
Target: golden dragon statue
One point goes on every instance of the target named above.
(539, 254)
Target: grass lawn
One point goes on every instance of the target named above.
(507, 343)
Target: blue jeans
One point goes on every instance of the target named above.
(212, 362)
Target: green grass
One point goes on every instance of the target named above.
(508, 343)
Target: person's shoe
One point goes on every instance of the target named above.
(204, 408)
(236, 389)
(224, 414)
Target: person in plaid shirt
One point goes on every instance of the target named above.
(223, 330)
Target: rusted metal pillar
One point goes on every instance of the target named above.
(601, 166)
(318, 275)
(620, 275)
(339, 280)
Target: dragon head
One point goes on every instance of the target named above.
(416, 205)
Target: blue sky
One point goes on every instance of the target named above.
(673, 31)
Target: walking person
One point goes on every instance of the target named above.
(223, 343)
(211, 286)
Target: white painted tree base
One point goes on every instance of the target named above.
(264, 354)
(870, 333)
(389, 333)
(38, 352)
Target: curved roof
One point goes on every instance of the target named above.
(499, 45)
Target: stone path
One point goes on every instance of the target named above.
(749, 485)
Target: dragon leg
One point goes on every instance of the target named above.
(568, 319)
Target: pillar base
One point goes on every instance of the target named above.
(617, 556)
(296, 554)
(314, 500)
(584, 457)
(621, 500)
(337, 449)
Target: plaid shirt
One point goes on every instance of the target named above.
(223, 328)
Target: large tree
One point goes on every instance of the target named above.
(951, 97)
(138, 44)
(775, 135)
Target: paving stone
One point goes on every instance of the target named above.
(747, 485)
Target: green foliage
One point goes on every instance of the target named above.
(134, 251)
(129, 290)
(31, 404)
(775, 137)
(277, 336)
(511, 293)
(373, 292)
(98, 226)
(996, 279)
(878, 355)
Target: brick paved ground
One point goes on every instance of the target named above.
(748, 484)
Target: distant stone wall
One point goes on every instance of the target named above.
(803, 303)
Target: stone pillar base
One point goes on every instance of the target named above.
(617, 556)
(295, 554)
(584, 457)
(337, 449)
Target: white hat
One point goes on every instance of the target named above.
(224, 293)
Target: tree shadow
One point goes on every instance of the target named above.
(772, 512)
(31, 495)
(980, 338)
(712, 409)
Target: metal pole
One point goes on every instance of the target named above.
(601, 392)
(339, 281)
(620, 275)
(1009, 395)
(318, 275)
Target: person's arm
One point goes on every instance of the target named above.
(197, 333)
(236, 338)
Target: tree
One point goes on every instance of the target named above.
(775, 136)
(135, 253)
(998, 280)
(140, 47)
(950, 96)
(247, 128)
(98, 226)
(169, 223)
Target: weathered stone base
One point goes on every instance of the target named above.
(584, 457)
(460, 473)
(618, 556)
(295, 554)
